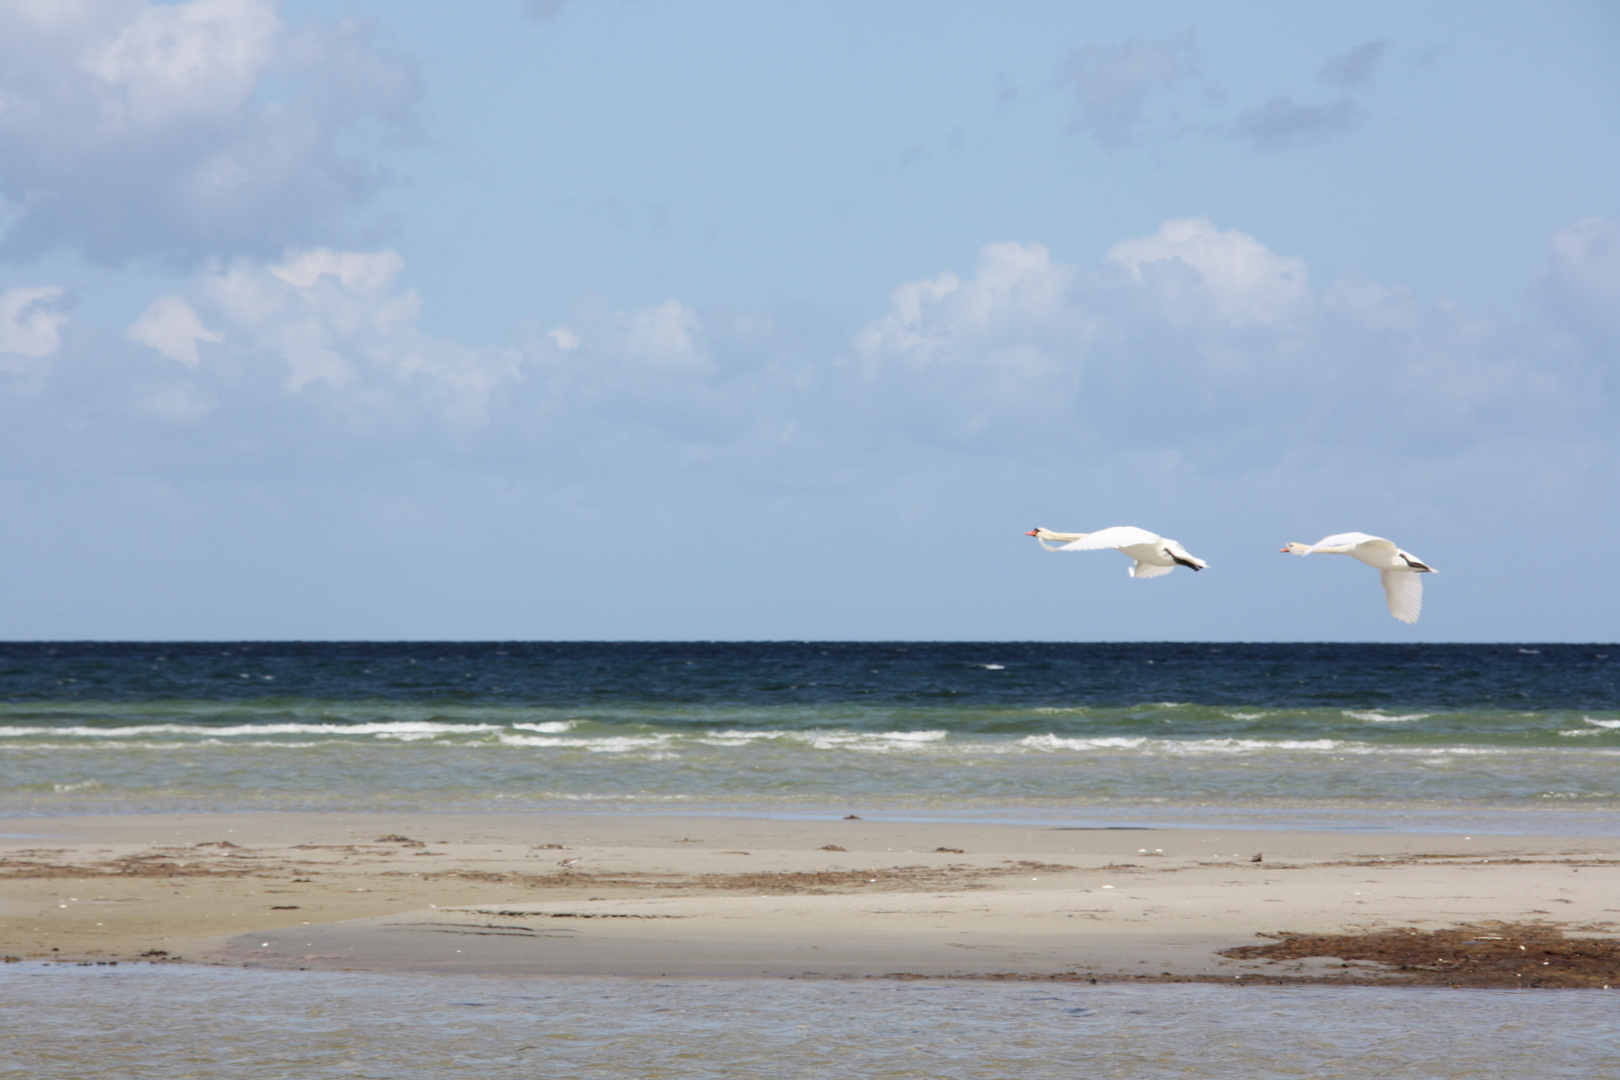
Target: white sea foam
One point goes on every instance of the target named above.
(607, 744)
(1101, 742)
(870, 742)
(824, 739)
(1188, 747)
(1602, 723)
(1376, 716)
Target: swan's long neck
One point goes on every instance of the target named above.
(1043, 535)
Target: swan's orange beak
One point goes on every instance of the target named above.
(1282, 551)
(1032, 532)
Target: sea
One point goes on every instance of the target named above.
(1504, 738)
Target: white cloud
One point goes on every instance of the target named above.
(169, 65)
(1017, 294)
(335, 320)
(31, 321)
(173, 329)
(1193, 341)
(137, 130)
(1206, 340)
(1234, 276)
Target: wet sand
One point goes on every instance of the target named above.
(706, 896)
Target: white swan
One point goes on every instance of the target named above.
(1398, 569)
(1153, 555)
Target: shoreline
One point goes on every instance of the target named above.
(708, 896)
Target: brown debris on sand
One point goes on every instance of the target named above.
(1487, 954)
(159, 865)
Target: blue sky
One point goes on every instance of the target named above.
(640, 319)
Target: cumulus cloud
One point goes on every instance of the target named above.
(1112, 83)
(336, 326)
(173, 329)
(31, 321)
(1202, 337)
(1193, 340)
(1196, 270)
(1280, 122)
(175, 132)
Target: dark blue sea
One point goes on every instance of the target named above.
(1476, 737)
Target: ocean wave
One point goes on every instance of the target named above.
(1602, 723)
(1377, 716)
(1179, 746)
(606, 744)
(828, 739)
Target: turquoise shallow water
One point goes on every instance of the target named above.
(162, 1022)
(1340, 736)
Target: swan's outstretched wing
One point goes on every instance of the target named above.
(1147, 570)
(1349, 540)
(1404, 591)
(1117, 537)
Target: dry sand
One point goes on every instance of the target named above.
(689, 896)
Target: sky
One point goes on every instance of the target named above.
(649, 319)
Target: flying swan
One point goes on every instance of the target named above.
(1398, 569)
(1154, 555)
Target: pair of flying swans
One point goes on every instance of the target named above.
(1154, 555)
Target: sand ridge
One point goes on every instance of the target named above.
(667, 895)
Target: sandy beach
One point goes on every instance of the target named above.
(638, 895)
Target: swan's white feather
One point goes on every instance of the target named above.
(1117, 537)
(1354, 540)
(1147, 570)
(1404, 591)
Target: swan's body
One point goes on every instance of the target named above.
(1153, 555)
(1398, 569)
